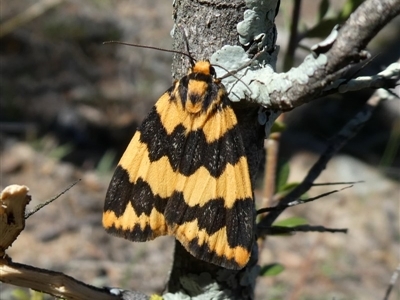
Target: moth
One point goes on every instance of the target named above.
(185, 173)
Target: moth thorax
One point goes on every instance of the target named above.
(193, 108)
(197, 91)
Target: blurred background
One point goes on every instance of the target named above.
(69, 106)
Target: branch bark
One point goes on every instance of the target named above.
(50, 282)
(13, 201)
(369, 18)
(285, 91)
(215, 25)
(362, 26)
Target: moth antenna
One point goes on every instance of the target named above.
(231, 73)
(150, 47)
(185, 39)
(238, 79)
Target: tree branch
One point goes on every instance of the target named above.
(13, 201)
(285, 91)
(50, 282)
(370, 17)
(362, 26)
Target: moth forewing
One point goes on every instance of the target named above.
(185, 173)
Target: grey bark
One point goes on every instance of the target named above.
(209, 25)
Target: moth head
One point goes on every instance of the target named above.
(203, 67)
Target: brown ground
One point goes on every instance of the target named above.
(70, 105)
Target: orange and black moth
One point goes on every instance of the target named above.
(185, 173)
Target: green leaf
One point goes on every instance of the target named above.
(323, 9)
(61, 151)
(35, 295)
(291, 222)
(278, 126)
(287, 187)
(271, 269)
(106, 163)
(20, 294)
(348, 8)
(282, 176)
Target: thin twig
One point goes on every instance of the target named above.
(335, 144)
(276, 230)
(293, 38)
(36, 10)
(392, 282)
(283, 206)
(337, 183)
(41, 205)
(271, 146)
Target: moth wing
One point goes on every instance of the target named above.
(138, 192)
(211, 211)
